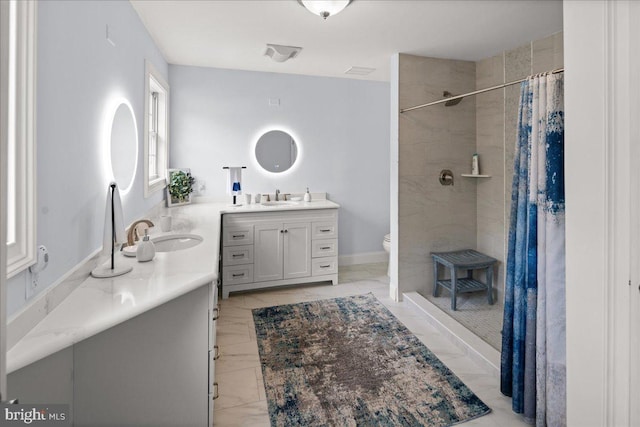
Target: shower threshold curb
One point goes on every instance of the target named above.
(478, 350)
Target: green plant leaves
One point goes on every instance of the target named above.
(180, 185)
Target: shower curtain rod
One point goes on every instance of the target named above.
(452, 98)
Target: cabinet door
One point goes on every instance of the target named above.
(267, 252)
(297, 250)
(148, 371)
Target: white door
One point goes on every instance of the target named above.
(634, 316)
(267, 252)
(4, 84)
(297, 250)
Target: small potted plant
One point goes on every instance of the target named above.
(179, 187)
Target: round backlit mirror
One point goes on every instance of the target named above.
(276, 151)
(124, 147)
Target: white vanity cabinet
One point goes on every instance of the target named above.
(287, 247)
(282, 251)
(156, 369)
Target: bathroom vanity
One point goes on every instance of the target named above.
(140, 349)
(137, 349)
(262, 248)
(135, 373)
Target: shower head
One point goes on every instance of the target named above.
(451, 103)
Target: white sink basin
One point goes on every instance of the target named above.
(176, 242)
(280, 203)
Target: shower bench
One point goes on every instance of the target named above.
(466, 259)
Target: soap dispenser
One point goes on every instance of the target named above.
(146, 250)
(307, 196)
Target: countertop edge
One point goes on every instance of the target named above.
(16, 363)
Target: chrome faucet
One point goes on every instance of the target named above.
(277, 194)
(132, 235)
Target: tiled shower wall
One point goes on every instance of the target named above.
(473, 213)
(433, 217)
(496, 125)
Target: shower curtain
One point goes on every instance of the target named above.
(533, 362)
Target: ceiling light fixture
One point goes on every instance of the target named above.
(281, 53)
(324, 8)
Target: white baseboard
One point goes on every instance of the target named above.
(363, 258)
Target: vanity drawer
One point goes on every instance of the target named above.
(237, 235)
(324, 248)
(237, 255)
(322, 266)
(237, 274)
(324, 230)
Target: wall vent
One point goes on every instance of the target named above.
(360, 71)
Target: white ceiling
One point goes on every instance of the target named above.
(233, 33)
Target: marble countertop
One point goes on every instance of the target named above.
(286, 206)
(98, 304)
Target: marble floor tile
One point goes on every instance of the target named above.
(242, 399)
(237, 388)
(234, 357)
(233, 333)
(253, 414)
(234, 314)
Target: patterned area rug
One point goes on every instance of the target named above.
(350, 362)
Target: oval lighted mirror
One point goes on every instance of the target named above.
(276, 151)
(124, 147)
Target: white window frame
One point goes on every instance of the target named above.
(20, 88)
(154, 82)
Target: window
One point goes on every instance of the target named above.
(18, 106)
(156, 131)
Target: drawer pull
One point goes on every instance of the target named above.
(216, 314)
(238, 236)
(238, 275)
(237, 256)
(325, 266)
(216, 353)
(325, 230)
(325, 247)
(215, 391)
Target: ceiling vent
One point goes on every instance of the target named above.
(281, 53)
(360, 71)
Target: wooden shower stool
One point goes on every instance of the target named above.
(466, 259)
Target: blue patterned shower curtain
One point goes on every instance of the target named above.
(533, 365)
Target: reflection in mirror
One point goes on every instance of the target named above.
(276, 151)
(124, 147)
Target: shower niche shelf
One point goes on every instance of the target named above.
(468, 175)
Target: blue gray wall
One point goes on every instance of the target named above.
(79, 72)
(341, 127)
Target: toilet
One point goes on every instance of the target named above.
(386, 244)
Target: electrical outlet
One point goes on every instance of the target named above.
(42, 260)
(202, 186)
(31, 287)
